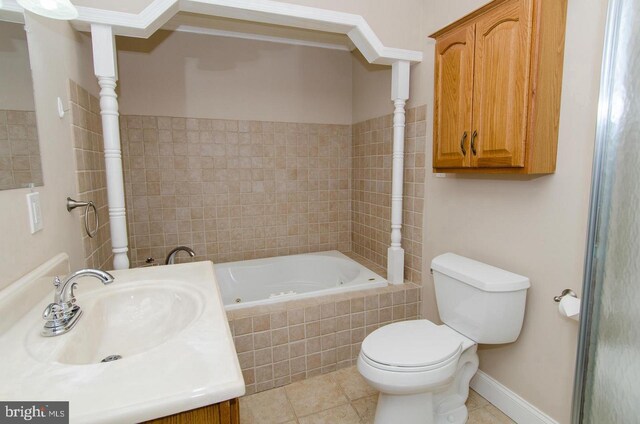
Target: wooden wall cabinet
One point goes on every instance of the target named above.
(498, 78)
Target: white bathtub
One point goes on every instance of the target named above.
(263, 281)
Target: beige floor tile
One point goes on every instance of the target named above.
(343, 414)
(475, 401)
(322, 400)
(314, 395)
(488, 415)
(502, 418)
(352, 383)
(366, 408)
(271, 407)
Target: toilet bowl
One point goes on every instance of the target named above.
(414, 364)
(422, 370)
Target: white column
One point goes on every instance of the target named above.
(399, 96)
(106, 69)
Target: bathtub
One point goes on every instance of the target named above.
(263, 281)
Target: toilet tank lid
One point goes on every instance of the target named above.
(477, 274)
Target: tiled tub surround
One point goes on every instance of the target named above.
(235, 190)
(371, 189)
(286, 342)
(91, 182)
(19, 149)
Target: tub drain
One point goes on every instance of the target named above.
(238, 300)
(111, 358)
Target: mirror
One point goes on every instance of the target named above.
(19, 147)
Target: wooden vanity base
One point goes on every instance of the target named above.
(227, 412)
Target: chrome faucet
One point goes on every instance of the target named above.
(171, 257)
(63, 313)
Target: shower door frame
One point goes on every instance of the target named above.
(598, 215)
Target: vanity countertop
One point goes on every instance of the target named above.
(185, 362)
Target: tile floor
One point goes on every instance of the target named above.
(340, 397)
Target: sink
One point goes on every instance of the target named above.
(162, 332)
(121, 320)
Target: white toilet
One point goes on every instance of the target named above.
(421, 369)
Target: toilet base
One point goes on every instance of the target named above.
(407, 409)
(445, 405)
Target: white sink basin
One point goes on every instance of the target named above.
(168, 325)
(121, 319)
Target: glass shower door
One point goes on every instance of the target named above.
(607, 389)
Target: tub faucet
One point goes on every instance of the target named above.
(63, 313)
(171, 257)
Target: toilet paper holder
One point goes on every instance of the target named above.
(565, 292)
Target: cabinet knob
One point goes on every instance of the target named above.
(464, 137)
(473, 143)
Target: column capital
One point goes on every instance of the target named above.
(105, 62)
(400, 75)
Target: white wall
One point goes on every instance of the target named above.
(371, 95)
(193, 75)
(57, 53)
(535, 227)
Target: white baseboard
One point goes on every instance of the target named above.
(515, 407)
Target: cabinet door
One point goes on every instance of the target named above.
(501, 86)
(453, 99)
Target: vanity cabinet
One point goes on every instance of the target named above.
(498, 78)
(227, 412)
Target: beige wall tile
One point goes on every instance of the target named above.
(260, 193)
(90, 176)
(371, 193)
(280, 336)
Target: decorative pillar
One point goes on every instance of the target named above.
(106, 70)
(399, 95)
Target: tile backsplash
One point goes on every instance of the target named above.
(235, 190)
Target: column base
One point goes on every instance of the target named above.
(120, 260)
(395, 265)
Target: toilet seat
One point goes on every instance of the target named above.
(413, 346)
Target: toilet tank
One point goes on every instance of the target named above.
(480, 301)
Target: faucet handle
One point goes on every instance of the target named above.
(57, 282)
(51, 312)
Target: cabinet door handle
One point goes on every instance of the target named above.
(464, 137)
(473, 143)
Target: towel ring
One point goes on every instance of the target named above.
(72, 204)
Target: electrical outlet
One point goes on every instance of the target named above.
(35, 212)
